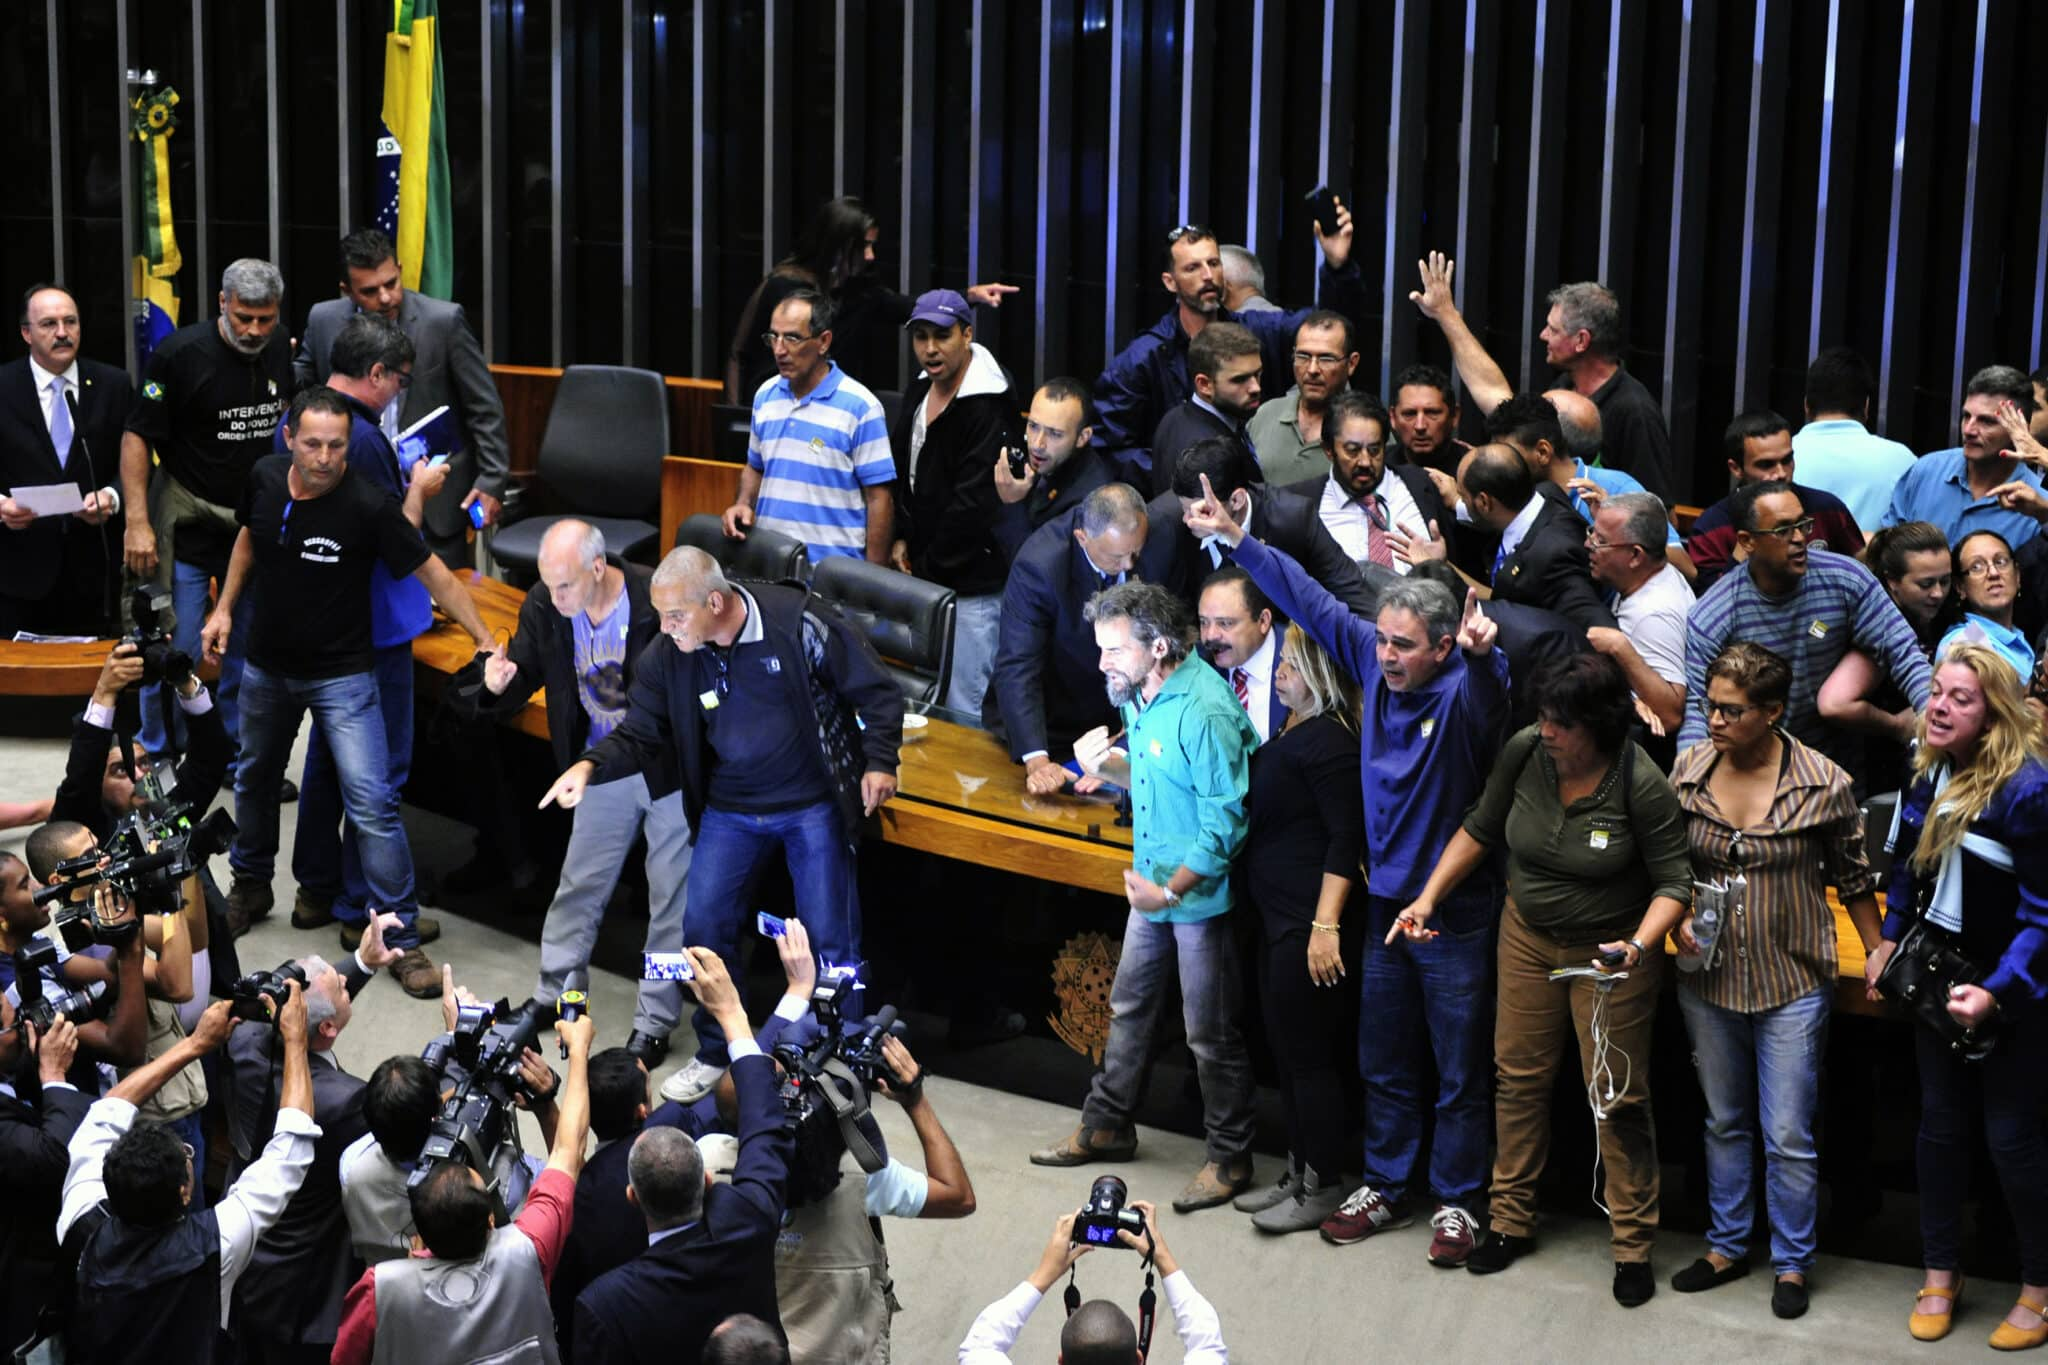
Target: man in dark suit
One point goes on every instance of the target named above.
(1379, 514)
(60, 422)
(710, 1248)
(34, 1137)
(1062, 463)
(1047, 685)
(1225, 362)
(448, 370)
(1282, 519)
(1541, 556)
(287, 1304)
(1240, 638)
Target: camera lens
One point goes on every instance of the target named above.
(1107, 1194)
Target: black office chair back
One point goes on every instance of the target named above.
(732, 427)
(892, 404)
(907, 620)
(763, 557)
(605, 439)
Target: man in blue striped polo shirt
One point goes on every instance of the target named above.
(818, 462)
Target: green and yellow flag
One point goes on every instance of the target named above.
(414, 196)
(153, 282)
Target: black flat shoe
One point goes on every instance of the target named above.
(1635, 1284)
(1702, 1275)
(1788, 1298)
(648, 1047)
(1499, 1251)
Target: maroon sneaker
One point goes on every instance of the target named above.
(1364, 1213)
(1457, 1232)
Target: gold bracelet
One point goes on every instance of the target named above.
(1322, 928)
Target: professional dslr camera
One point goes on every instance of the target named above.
(146, 859)
(162, 662)
(260, 996)
(825, 1087)
(477, 1124)
(80, 1006)
(1104, 1215)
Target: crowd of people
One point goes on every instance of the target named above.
(1471, 746)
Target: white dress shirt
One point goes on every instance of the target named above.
(1201, 1332)
(46, 397)
(1258, 684)
(1511, 539)
(1344, 517)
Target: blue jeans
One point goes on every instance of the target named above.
(191, 602)
(1434, 997)
(2008, 1089)
(1761, 1070)
(326, 857)
(977, 621)
(717, 904)
(1204, 957)
(346, 709)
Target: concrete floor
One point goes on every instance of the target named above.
(1291, 1299)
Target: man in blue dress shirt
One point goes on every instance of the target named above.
(1955, 489)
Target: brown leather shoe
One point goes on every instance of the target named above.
(248, 902)
(1216, 1183)
(1084, 1145)
(417, 975)
(312, 910)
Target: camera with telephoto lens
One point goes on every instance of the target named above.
(260, 996)
(1104, 1215)
(82, 1006)
(478, 1123)
(146, 859)
(826, 1083)
(162, 662)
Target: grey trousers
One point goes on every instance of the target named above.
(606, 820)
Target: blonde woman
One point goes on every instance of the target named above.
(1299, 868)
(1971, 862)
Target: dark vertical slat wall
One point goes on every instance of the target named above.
(1755, 178)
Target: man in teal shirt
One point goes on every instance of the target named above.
(1186, 760)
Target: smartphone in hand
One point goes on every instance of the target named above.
(1322, 201)
(666, 967)
(769, 925)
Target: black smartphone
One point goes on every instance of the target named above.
(1018, 461)
(1322, 201)
(1617, 958)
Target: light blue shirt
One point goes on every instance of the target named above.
(1845, 458)
(1937, 489)
(2009, 641)
(1613, 483)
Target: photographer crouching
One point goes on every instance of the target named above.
(1098, 1332)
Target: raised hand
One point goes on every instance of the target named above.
(1337, 245)
(499, 671)
(2023, 443)
(1410, 546)
(1209, 517)
(376, 955)
(990, 295)
(2021, 496)
(1009, 488)
(799, 963)
(1435, 297)
(1477, 630)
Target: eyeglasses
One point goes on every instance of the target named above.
(789, 339)
(1729, 711)
(1594, 544)
(1983, 568)
(1803, 528)
(1318, 361)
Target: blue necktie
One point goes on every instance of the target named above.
(60, 420)
(1500, 557)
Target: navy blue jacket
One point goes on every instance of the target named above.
(1046, 688)
(1144, 380)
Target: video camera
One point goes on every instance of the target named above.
(1104, 1215)
(825, 1089)
(80, 1006)
(477, 1124)
(260, 996)
(162, 662)
(146, 859)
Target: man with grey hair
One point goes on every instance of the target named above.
(1955, 489)
(1436, 691)
(1186, 760)
(1582, 338)
(1244, 282)
(1652, 600)
(781, 728)
(710, 1248)
(211, 396)
(583, 630)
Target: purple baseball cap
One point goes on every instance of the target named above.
(942, 308)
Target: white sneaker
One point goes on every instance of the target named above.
(693, 1082)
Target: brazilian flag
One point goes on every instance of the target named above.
(413, 193)
(153, 280)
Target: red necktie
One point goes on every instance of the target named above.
(1240, 683)
(1377, 549)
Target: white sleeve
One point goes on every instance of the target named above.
(83, 1187)
(353, 1153)
(1659, 636)
(1194, 1317)
(897, 1191)
(255, 1201)
(993, 1334)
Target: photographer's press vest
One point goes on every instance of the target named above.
(832, 1280)
(379, 1210)
(147, 1294)
(493, 1308)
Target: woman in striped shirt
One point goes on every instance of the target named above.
(1775, 822)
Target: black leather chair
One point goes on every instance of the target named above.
(732, 429)
(907, 620)
(764, 556)
(601, 453)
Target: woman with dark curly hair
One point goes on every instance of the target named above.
(1598, 874)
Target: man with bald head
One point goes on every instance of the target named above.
(1535, 427)
(1541, 557)
(782, 727)
(60, 422)
(582, 630)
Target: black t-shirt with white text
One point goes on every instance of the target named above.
(209, 411)
(310, 584)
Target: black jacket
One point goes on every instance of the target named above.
(845, 696)
(1549, 568)
(1427, 500)
(1084, 471)
(1046, 687)
(544, 648)
(200, 773)
(661, 1306)
(33, 1160)
(1184, 424)
(949, 516)
(1282, 519)
(31, 560)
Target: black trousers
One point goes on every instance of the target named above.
(1313, 1031)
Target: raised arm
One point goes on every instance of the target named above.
(572, 1105)
(949, 1193)
(1484, 379)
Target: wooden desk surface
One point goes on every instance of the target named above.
(447, 648)
(37, 670)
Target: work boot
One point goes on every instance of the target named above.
(248, 901)
(1084, 1145)
(312, 909)
(1218, 1182)
(417, 975)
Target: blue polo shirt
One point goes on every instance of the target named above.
(401, 609)
(1613, 483)
(1937, 489)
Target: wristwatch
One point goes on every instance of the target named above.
(1169, 897)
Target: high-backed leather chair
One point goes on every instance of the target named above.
(907, 620)
(764, 556)
(601, 453)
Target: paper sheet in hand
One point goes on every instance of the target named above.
(438, 433)
(50, 499)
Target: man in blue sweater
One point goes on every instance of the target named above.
(1435, 692)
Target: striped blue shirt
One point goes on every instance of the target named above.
(1837, 605)
(815, 455)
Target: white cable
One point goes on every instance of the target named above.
(1602, 1070)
